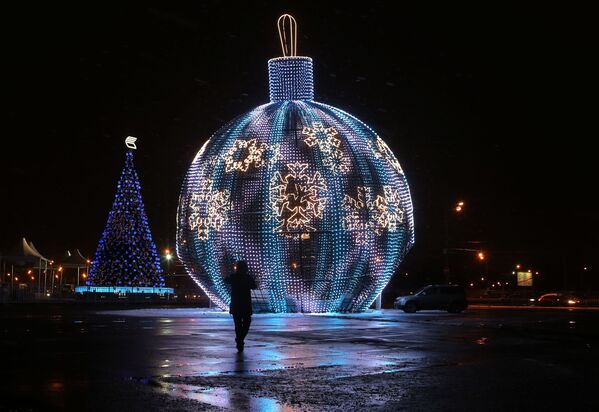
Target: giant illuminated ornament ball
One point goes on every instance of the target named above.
(311, 197)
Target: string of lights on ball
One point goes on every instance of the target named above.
(311, 197)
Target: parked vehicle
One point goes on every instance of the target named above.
(451, 298)
(521, 297)
(557, 299)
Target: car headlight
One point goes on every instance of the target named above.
(572, 302)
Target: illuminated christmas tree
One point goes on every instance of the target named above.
(126, 254)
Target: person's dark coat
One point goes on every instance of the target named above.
(241, 297)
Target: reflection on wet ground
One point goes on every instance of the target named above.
(222, 397)
(71, 357)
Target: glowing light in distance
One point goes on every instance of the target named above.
(130, 142)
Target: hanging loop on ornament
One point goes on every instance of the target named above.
(288, 34)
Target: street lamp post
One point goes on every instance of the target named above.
(55, 276)
(46, 279)
(445, 249)
(168, 257)
(60, 281)
(483, 258)
(458, 208)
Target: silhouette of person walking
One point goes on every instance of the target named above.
(241, 301)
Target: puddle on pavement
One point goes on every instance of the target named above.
(220, 397)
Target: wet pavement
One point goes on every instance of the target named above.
(75, 357)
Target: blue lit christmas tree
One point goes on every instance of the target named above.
(126, 254)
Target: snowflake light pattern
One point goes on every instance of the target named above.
(372, 213)
(274, 154)
(382, 151)
(209, 209)
(327, 140)
(336, 161)
(296, 198)
(251, 154)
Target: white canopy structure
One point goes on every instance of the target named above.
(25, 254)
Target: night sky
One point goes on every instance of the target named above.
(480, 105)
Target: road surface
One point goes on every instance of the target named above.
(73, 357)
